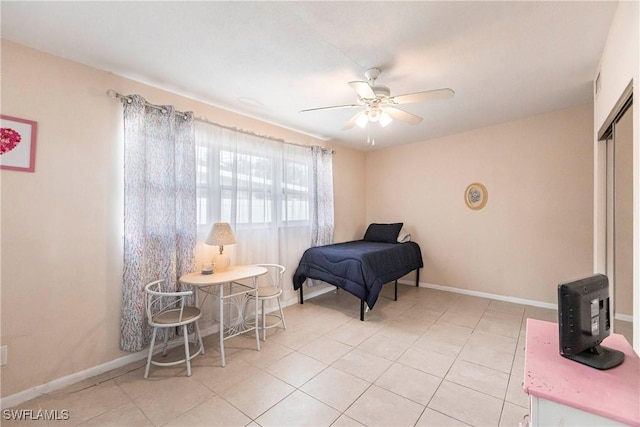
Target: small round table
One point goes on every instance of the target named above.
(214, 284)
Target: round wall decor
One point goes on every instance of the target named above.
(475, 196)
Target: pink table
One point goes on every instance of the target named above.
(613, 393)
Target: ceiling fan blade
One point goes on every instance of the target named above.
(352, 121)
(333, 107)
(363, 90)
(402, 115)
(422, 96)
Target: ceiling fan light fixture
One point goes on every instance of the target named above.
(385, 119)
(362, 120)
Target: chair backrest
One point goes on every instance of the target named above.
(274, 276)
(157, 301)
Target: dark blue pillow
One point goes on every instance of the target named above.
(386, 233)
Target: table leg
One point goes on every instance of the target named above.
(255, 286)
(221, 308)
(197, 299)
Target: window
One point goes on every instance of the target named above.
(249, 181)
(267, 191)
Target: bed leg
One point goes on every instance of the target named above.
(395, 291)
(362, 310)
(417, 277)
(301, 294)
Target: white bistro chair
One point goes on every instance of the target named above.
(168, 310)
(269, 289)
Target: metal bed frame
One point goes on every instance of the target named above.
(362, 303)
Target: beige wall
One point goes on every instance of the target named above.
(536, 229)
(349, 193)
(61, 241)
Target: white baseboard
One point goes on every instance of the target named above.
(624, 317)
(315, 293)
(534, 303)
(487, 295)
(32, 393)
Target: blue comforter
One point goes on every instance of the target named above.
(359, 267)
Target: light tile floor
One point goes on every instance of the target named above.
(432, 358)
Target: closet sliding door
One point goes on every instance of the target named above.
(622, 142)
(617, 134)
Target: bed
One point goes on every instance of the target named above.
(362, 267)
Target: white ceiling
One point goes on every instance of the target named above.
(269, 60)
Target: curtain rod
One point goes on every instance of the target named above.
(113, 94)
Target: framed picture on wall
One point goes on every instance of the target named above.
(17, 144)
(475, 196)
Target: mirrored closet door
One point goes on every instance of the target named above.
(620, 218)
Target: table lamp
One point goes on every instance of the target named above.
(221, 234)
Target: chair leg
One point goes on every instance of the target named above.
(166, 340)
(199, 338)
(264, 323)
(284, 324)
(185, 332)
(153, 342)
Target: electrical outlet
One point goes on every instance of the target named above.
(3, 355)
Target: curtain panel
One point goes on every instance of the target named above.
(322, 197)
(159, 207)
(269, 191)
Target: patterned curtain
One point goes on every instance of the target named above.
(322, 200)
(159, 207)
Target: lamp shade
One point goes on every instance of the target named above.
(221, 234)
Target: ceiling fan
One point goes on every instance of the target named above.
(380, 106)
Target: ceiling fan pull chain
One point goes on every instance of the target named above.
(370, 140)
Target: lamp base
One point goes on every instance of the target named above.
(207, 267)
(221, 262)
